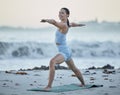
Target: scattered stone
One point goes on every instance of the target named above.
(17, 84)
(92, 78)
(104, 75)
(73, 75)
(57, 67)
(36, 75)
(104, 67)
(105, 78)
(86, 73)
(92, 68)
(35, 81)
(91, 81)
(4, 84)
(112, 87)
(106, 71)
(14, 72)
(93, 73)
(106, 94)
(21, 73)
(31, 84)
(8, 72)
(41, 68)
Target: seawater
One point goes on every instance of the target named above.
(81, 63)
(95, 44)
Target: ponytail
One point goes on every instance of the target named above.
(68, 23)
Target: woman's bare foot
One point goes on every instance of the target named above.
(82, 85)
(47, 88)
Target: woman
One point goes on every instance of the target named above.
(64, 51)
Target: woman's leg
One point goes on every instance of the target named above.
(71, 65)
(55, 60)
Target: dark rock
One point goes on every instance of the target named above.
(8, 72)
(31, 84)
(104, 75)
(108, 67)
(105, 78)
(21, 73)
(4, 84)
(60, 67)
(106, 71)
(86, 73)
(92, 78)
(57, 67)
(91, 68)
(36, 68)
(44, 67)
(17, 84)
(73, 75)
(93, 73)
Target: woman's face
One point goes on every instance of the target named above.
(62, 14)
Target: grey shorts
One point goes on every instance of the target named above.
(65, 51)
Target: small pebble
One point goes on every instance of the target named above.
(112, 87)
(92, 78)
(105, 78)
(17, 84)
(31, 84)
(4, 84)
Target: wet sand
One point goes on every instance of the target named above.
(17, 82)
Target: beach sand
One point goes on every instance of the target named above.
(17, 83)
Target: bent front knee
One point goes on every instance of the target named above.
(52, 63)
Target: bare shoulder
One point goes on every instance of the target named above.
(64, 28)
(61, 25)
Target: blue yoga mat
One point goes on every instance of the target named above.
(65, 88)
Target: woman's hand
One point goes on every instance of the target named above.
(43, 20)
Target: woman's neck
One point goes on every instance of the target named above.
(64, 20)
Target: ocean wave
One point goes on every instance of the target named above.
(43, 50)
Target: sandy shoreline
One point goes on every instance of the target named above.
(15, 83)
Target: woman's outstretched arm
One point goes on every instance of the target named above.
(53, 22)
(76, 25)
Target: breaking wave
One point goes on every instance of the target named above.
(43, 50)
